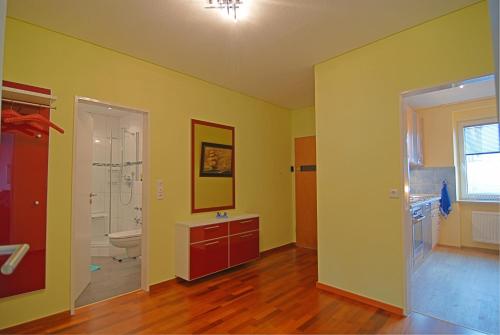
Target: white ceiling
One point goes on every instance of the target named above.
(475, 89)
(269, 55)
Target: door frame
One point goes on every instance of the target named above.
(145, 191)
(407, 231)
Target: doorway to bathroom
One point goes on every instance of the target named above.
(109, 223)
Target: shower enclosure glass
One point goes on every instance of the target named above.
(116, 178)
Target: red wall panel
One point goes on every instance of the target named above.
(23, 204)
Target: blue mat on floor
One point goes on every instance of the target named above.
(94, 267)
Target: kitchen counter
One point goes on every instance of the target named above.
(421, 199)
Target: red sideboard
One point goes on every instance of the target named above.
(208, 246)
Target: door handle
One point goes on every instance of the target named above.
(307, 168)
(16, 252)
(213, 227)
(418, 219)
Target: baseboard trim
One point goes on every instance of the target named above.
(359, 298)
(47, 320)
(278, 249)
(163, 284)
(478, 249)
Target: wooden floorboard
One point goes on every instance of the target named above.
(276, 294)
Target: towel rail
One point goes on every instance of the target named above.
(16, 252)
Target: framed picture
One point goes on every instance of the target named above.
(216, 160)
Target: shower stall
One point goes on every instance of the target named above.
(116, 178)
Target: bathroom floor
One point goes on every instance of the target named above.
(113, 278)
(459, 286)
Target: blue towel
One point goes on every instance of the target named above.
(445, 203)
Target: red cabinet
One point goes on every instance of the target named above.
(241, 226)
(243, 248)
(210, 246)
(208, 257)
(208, 232)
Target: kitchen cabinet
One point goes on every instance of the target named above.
(427, 229)
(414, 138)
(207, 246)
(435, 223)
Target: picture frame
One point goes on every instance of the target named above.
(212, 190)
(216, 160)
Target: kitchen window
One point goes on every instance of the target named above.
(479, 158)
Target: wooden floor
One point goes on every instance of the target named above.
(276, 294)
(461, 286)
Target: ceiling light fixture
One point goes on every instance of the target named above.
(228, 7)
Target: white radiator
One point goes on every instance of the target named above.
(486, 227)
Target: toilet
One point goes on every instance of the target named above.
(129, 239)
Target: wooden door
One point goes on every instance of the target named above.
(305, 192)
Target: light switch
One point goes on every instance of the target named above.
(394, 193)
(160, 190)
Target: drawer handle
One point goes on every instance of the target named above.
(211, 243)
(247, 221)
(246, 235)
(213, 227)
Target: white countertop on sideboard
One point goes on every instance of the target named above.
(214, 220)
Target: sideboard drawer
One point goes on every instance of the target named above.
(241, 226)
(243, 248)
(208, 232)
(208, 257)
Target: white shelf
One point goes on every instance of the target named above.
(29, 97)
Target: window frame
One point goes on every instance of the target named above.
(463, 194)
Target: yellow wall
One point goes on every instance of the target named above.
(358, 122)
(440, 125)
(303, 124)
(450, 232)
(71, 67)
